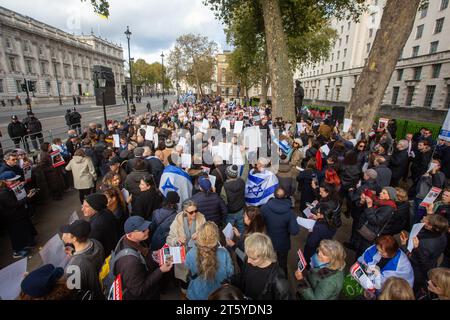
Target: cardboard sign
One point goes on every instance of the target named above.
(382, 123)
(186, 160)
(57, 159)
(359, 275)
(252, 137)
(53, 252)
(347, 125)
(238, 127)
(301, 261)
(226, 124)
(11, 277)
(178, 254)
(149, 133)
(432, 195)
(300, 127)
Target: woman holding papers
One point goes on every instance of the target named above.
(326, 277)
(385, 259)
(427, 248)
(208, 264)
(183, 231)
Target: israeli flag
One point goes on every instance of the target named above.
(260, 187)
(175, 179)
(283, 145)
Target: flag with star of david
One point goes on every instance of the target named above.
(175, 179)
(260, 187)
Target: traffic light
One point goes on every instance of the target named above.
(24, 87)
(31, 86)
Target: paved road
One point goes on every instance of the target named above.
(54, 124)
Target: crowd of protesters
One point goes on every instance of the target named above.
(138, 194)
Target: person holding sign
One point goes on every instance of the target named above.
(55, 179)
(427, 248)
(326, 277)
(16, 219)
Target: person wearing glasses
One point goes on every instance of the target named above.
(183, 232)
(362, 152)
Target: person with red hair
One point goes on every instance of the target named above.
(332, 178)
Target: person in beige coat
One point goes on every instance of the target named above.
(84, 175)
(184, 231)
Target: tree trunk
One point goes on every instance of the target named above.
(279, 66)
(264, 90)
(395, 29)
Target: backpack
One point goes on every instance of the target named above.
(108, 275)
(162, 232)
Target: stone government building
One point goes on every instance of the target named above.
(50, 57)
(419, 88)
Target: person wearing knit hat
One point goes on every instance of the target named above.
(371, 174)
(40, 282)
(392, 193)
(232, 171)
(104, 226)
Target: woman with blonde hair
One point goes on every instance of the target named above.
(261, 277)
(209, 264)
(439, 282)
(326, 277)
(396, 289)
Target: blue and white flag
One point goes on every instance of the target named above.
(283, 145)
(175, 179)
(260, 187)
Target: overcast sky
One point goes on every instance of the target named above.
(155, 24)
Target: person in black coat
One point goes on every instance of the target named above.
(399, 162)
(429, 244)
(16, 131)
(156, 165)
(419, 165)
(104, 226)
(304, 183)
(54, 176)
(16, 220)
(148, 200)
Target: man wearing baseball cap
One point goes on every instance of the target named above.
(87, 255)
(140, 273)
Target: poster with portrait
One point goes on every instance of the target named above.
(57, 159)
(382, 124)
(19, 190)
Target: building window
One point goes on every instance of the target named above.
(417, 73)
(337, 66)
(340, 42)
(346, 39)
(342, 29)
(326, 94)
(12, 64)
(348, 25)
(423, 12)
(439, 25)
(332, 56)
(331, 68)
(66, 72)
(434, 46)
(415, 51)
(429, 96)
(8, 43)
(370, 33)
(410, 95)
(436, 70)
(444, 4)
(26, 46)
(69, 88)
(373, 17)
(399, 74)
(368, 48)
(395, 95)
(19, 86)
(1, 86)
(338, 94)
(338, 55)
(48, 86)
(43, 68)
(345, 53)
(419, 32)
(343, 65)
(447, 101)
(29, 65)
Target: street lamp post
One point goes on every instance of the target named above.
(128, 34)
(57, 84)
(102, 86)
(162, 70)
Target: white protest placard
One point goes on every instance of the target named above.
(252, 137)
(414, 232)
(186, 160)
(73, 217)
(228, 231)
(238, 127)
(149, 133)
(53, 252)
(325, 149)
(11, 277)
(445, 131)
(212, 179)
(226, 124)
(288, 126)
(178, 255)
(182, 141)
(116, 141)
(347, 125)
(306, 223)
(300, 127)
(156, 140)
(205, 124)
(358, 135)
(225, 150)
(382, 123)
(432, 195)
(237, 157)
